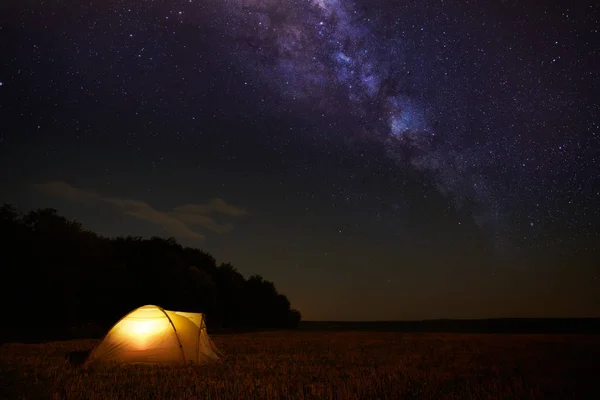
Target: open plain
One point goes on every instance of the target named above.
(323, 365)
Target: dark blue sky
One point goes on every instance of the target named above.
(404, 160)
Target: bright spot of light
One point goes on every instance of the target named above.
(143, 332)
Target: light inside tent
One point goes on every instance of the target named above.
(142, 332)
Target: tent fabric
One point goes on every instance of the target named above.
(151, 334)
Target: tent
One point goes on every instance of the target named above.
(151, 334)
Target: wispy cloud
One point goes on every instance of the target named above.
(182, 222)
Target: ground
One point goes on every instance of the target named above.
(323, 365)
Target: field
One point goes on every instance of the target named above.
(324, 365)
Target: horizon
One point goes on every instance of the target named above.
(454, 319)
(246, 274)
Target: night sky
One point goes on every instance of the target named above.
(375, 159)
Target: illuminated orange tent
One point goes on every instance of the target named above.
(151, 334)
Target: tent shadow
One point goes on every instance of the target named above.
(77, 358)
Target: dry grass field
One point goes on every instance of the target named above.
(325, 365)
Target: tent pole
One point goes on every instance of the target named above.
(176, 334)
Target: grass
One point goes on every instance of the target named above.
(324, 365)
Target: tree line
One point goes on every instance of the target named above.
(56, 275)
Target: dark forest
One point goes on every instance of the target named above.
(59, 279)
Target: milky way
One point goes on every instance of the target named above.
(329, 52)
(358, 57)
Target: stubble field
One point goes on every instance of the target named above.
(324, 365)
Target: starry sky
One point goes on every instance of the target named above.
(376, 160)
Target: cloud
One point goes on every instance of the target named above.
(216, 205)
(66, 191)
(179, 222)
